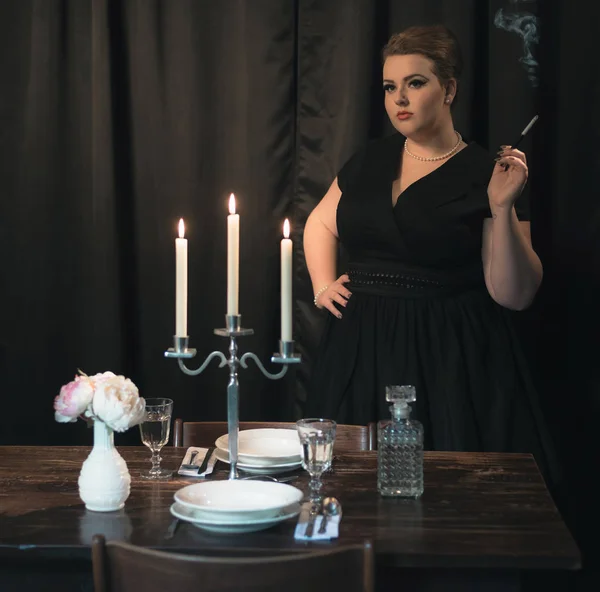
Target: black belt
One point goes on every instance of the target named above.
(403, 281)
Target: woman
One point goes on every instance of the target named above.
(440, 253)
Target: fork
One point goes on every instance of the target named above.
(315, 510)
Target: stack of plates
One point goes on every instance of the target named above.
(264, 451)
(236, 506)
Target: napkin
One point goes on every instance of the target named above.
(197, 462)
(331, 532)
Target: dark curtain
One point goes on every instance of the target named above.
(118, 117)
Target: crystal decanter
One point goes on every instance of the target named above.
(400, 447)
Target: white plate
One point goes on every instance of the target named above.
(265, 446)
(248, 525)
(238, 500)
(260, 469)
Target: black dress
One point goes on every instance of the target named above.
(420, 312)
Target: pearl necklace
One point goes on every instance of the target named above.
(432, 158)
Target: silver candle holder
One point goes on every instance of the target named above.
(233, 330)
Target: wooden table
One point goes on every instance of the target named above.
(484, 517)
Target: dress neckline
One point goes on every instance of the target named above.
(424, 178)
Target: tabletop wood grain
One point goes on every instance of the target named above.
(479, 510)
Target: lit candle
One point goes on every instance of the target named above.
(286, 284)
(233, 258)
(181, 270)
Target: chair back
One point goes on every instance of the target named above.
(348, 438)
(121, 567)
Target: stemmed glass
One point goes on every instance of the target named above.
(316, 437)
(155, 431)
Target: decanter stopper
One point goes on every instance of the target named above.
(400, 397)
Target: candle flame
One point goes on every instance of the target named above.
(181, 228)
(232, 204)
(286, 229)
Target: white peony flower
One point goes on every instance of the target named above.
(97, 378)
(117, 402)
(63, 418)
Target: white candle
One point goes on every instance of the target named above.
(181, 270)
(233, 258)
(286, 284)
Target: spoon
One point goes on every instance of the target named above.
(172, 528)
(331, 507)
(190, 465)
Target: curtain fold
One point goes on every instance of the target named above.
(46, 176)
(337, 78)
(200, 100)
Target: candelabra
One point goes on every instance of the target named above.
(233, 330)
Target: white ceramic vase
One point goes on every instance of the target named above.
(104, 480)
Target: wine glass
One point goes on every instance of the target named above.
(316, 437)
(155, 431)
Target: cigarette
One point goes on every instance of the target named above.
(523, 133)
(527, 128)
(530, 125)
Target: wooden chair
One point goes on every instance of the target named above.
(121, 567)
(348, 438)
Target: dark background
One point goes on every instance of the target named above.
(119, 117)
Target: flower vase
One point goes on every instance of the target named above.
(104, 479)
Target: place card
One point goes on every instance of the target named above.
(331, 532)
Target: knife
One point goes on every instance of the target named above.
(314, 512)
(204, 464)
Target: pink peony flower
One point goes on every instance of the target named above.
(117, 402)
(73, 399)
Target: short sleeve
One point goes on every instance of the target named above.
(350, 172)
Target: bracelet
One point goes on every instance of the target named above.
(319, 293)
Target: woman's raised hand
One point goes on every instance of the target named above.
(508, 178)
